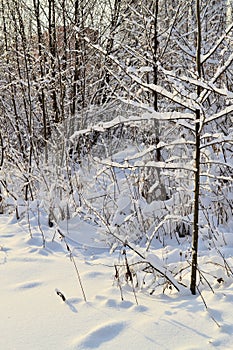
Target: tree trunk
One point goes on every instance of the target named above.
(53, 55)
(197, 159)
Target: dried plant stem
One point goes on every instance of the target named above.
(126, 244)
(74, 263)
(118, 281)
(39, 225)
(207, 309)
(129, 275)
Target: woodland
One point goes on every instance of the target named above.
(120, 113)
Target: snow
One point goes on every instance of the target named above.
(217, 44)
(151, 164)
(34, 316)
(224, 112)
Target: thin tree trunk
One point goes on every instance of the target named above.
(1, 151)
(53, 49)
(42, 100)
(155, 63)
(162, 195)
(27, 96)
(104, 85)
(77, 61)
(197, 159)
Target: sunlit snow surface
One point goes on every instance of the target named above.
(34, 316)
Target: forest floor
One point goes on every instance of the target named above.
(35, 316)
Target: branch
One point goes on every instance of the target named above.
(150, 164)
(184, 102)
(205, 57)
(205, 94)
(224, 112)
(219, 140)
(218, 163)
(1, 150)
(150, 115)
(209, 86)
(160, 270)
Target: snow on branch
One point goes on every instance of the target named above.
(227, 110)
(209, 86)
(227, 165)
(166, 218)
(149, 164)
(216, 139)
(172, 96)
(205, 94)
(222, 69)
(218, 43)
(155, 263)
(120, 120)
(169, 115)
(148, 150)
(217, 177)
(161, 144)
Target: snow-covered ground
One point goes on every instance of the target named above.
(34, 316)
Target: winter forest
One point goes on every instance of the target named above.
(119, 115)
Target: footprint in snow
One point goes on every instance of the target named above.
(28, 285)
(100, 335)
(93, 274)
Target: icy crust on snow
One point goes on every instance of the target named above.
(34, 316)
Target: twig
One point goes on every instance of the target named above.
(129, 275)
(204, 302)
(74, 263)
(39, 225)
(126, 244)
(118, 281)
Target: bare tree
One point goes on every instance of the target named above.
(197, 154)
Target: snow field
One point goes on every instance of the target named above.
(33, 316)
